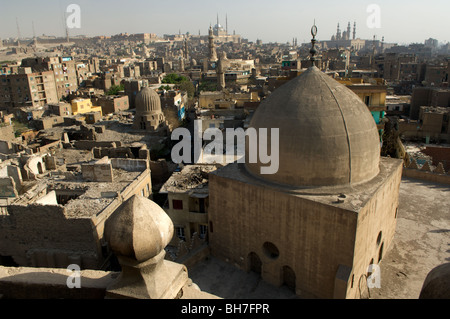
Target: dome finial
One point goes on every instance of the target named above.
(313, 50)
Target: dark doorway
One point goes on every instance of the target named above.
(39, 167)
(255, 263)
(288, 277)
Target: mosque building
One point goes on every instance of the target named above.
(149, 116)
(328, 213)
(345, 39)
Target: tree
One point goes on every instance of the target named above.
(165, 87)
(188, 87)
(115, 89)
(174, 78)
(207, 86)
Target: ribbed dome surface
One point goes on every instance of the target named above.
(327, 136)
(147, 101)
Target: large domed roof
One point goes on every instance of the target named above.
(147, 101)
(328, 136)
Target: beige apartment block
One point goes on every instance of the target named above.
(27, 89)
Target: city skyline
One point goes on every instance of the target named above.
(403, 22)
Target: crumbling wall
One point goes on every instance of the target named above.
(130, 165)
(122, 152)
(49, 199)
(8, 147)
(41, 236)
(34, 166)
(89, 145)
(160, 171)
(100, 171)
(8, 188)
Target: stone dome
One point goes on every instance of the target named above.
(139, 229)
(147, 101)
(327, 135)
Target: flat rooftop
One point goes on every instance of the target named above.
(191, 178)
(89, 198)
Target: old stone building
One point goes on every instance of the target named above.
(328, 212)
(57, 218)
(187, 202)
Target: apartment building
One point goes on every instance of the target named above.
(27, 88)
(64, 70)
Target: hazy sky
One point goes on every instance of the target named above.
(402, 21)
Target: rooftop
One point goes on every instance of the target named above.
(192, 178)
(89, 198)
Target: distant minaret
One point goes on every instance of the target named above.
(354, 30)
(34, 34)
(382, 44)
(349, 30)
(212, 48)
(338, 33)
(186, 49)
(226, 23)
(18, 32)
(221, 74)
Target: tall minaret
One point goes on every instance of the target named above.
(338, 33)
(221, 73)
(226, 23)
(349, 30)
(186, 49)
(212, 48)
(354, 30)
(18, 33)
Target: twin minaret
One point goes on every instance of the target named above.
(346, 34)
